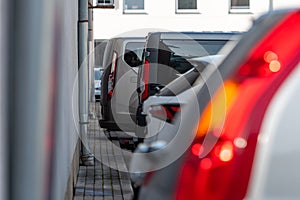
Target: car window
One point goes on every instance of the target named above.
(133, 53)
(180, 84)
(188, 79)
(97, 74)
(181, 50)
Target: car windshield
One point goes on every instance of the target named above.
(98, 74)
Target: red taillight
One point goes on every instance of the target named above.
(146, 74)
(218, 165)
(165, 112)
(112, 75)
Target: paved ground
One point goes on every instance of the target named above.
(108, 179)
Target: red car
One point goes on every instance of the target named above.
(219, 161)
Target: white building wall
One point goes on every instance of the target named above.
(212, 15)
(279, 4)
(66, 113)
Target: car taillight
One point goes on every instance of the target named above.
(165, 112)
(146, 74)
(112, 76)
(218, 163)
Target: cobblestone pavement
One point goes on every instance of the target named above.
(101, 181)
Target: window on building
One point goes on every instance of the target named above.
(240, 4)
(105, 2)
(186, 6)
(134, 5)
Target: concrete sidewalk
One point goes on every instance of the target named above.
(101, 181)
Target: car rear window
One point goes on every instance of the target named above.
(181, 50)
(133, 53)
(180, 84)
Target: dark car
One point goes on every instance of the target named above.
(167, 55)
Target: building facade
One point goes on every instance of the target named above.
(137, 17)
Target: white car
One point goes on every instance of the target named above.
(161, 109)
(122, 58)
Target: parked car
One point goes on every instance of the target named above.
(122, 58)
(97, 82)
(161, 109)
(244, 143)
(168, 55)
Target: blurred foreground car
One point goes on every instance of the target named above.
(245, 145)
(97, 83)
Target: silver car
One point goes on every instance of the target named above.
(122, 58)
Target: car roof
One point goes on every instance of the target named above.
(194, 35)
(128, 38)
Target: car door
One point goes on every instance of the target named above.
(125, 101)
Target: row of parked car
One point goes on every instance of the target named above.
(137, 68)
(218, 124)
